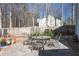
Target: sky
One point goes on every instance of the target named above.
(67, 9)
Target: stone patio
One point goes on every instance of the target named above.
(64, 47)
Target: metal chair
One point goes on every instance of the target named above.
(37, 46)
(50, 43)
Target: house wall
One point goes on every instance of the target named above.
(51, 23)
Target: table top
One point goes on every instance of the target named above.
(41, 37)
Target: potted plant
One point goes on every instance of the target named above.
(48, 32)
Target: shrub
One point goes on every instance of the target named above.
(35, 33)
(47, 32)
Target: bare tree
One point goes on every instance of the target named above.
(74, 13)
(47, 13)
(56, 12)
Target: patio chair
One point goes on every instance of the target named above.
(28, 41)
(39, 41)
(50, 43)
(37, 46)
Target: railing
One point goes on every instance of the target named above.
(58, 37)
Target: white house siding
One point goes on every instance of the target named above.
(51, 22)
(58, 22)
(77, 22)
(42, 22)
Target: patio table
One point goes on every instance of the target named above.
(43, 38)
